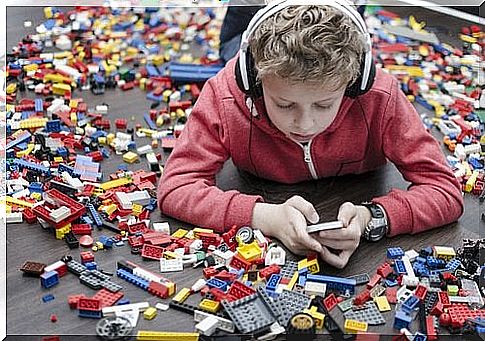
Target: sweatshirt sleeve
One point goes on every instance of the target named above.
(434, 197)
(187, 190)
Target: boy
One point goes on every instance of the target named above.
(301, 101)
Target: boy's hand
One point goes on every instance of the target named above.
(355, 219)
(287, 223)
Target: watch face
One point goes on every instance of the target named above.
(377, 233)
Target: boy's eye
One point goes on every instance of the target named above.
(287, 106)
(324, 107)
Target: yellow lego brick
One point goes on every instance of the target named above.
(63, 231)
(318, 317)
(115, 183)
(110, 209)
(382, 303)
(48, 12)
(11, 88)
(413, 71)
(110, 137)
(147, 132)
(182, 295)
(130, 157)
(293, 280)
(446, 253)
(158, 60)
(102, 140)
(99, 246)
(354, 326)
(470, 183)
(180, 113)
(170, 255)
(36, 196)
(198, 230)
(150, 313)
(313, 266)
(60, 89)
(171, 288)
(166, 94)
(30, 123)
(415, 25)
(62, 55)
(146, 335)
(250, 252)
(468, 39)
(210, 305)
(30, 67)
(302, 264)
(17, 202)
(27, 151)
(58, 159)
(180, 233)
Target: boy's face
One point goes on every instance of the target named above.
(300, 110)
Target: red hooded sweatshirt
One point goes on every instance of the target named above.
(378, 126)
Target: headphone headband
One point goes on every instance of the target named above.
(277, 6)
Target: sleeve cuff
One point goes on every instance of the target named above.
(398, 212)
(240, 210)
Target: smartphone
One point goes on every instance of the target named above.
(332, 225)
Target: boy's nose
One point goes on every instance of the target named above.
(304, 123)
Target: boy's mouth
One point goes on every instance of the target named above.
(300, 137)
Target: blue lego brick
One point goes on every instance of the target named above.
(99, 79)
(23, 145)
(99, 133)
(123, 301)
(432, 262)
(97, 314)
(399, 267)
(338, 284)
(32, 166)
(53, 126)
(150, 122)
(62, 151)
(410, 304)
(39, 105)
(273, 282)
(135, 280)
(35, 187)
(8, 129)
(106, 241)
(152, 70)
(91, 265)
(390, 283)
(217, 283)
(22, 137)
(420, 259)
(424, 103)
(49, 279)
(401, 320)
(427, 251)
(150, 96)
(395, 252)
(106, 153)
(452, 265)
(302, 281)
(65, 168)
(419, 337)
(47, 298)
(87, 220)
(94, 214)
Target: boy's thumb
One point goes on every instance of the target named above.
(305, 207)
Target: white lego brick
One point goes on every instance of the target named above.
(258, 235)
(151, 158)
(460, 151)
(123, 136)
(198, 285)
(448, 127)
(124, 200)
(69, 70)
(481, 102)
(223, 257)
(409, 281)
(171, 265)
(146, 275)
(102, 109)
(109, 311)
(403, 293)
(224, 324)
(275, 255)
(14, 217)
(315, 288)
(139, 197)
(162, 306)
(408, 266)
(22, 193)
(140, 134)
(74, 182)
(54, 266)
(60, 213)
(207, 326)
(274, 330)
(195, 245)
(162, 227)
(144, 149)
(472, 148)
(56, 104)
(411, 254)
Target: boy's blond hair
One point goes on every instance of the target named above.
(316, 44)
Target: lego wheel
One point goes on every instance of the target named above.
(301, 323)
(114, 328)
(245, 234)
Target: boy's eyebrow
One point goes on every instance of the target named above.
(319, 101)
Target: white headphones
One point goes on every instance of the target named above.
(367, 74)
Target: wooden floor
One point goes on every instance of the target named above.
(28, 315)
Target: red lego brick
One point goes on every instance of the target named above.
(391, 294)
(239, 290)
(29, 216)
(384, 270)
(90, 304)
(239, 263)
(73, 300)
(152, 252)
(431, 328)
(209, 272)
(81, 229)
(330, 302)
(135, 241)
(420, 292)
(374, 281)
(86, 257)
(226, 276)
(362, 297)
(437, 309)
(459, 313)
(269, 270)
(444, 299)
(137, 227)
(107, 298)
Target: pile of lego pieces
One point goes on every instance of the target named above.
(446, 81)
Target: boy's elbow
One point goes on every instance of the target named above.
(457, 203)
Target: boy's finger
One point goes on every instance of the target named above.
(305, 207)
(346, 212)
(338, 261)
(337, 244)
(305, 239)
(350, 232)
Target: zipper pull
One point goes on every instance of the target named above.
(307, 153)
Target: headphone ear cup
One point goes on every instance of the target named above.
(354, 89)
(239, 81)
(255, 86)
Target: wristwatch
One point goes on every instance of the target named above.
(377, 227)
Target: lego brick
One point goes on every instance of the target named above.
(370, 314)
(382, 303)
(289, 303)
(338, 284)
(353, 326)
(33, 268)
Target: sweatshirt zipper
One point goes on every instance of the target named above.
(307, 156)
